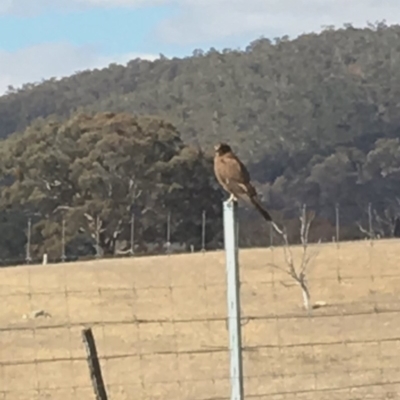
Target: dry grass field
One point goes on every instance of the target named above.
(160, 327)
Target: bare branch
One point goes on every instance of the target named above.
(363, 230)
(278, 267)
(380, 220)
(118, 229)
(308, 225)
(299, 275)
(88, 217)
(275, 226)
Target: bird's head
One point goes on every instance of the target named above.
(222, 148)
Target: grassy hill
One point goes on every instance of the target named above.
(160, 326)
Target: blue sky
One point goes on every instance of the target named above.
(45, 38)
(111, 31)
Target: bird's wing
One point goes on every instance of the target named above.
(235, 169)
(233, 175)
(235, 178)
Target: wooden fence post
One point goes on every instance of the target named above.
(94, 364)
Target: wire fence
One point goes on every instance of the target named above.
(161, 329)
(333, 223)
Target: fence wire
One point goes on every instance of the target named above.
(161, 330)
(332, 223)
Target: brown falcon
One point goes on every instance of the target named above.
(234, 178)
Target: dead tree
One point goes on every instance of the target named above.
(382, 224)
(103, 232)
(298, 272)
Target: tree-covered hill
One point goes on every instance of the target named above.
(317, 119)
(315, 91)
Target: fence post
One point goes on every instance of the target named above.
(370, 229)
(271, 236)
(203, 231)
(94, 364)
(97, 236)
(28, 257)
(337, 223)
(63, 256)
(168, 244)
(233, 296)
(132, 250)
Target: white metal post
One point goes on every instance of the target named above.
(233, 293)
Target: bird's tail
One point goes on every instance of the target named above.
(254, 200)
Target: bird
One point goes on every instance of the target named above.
(234, 178)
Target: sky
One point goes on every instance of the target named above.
(41, 39)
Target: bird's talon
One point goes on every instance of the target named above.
(231, 199)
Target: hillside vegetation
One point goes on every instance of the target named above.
(94, 174)
(317, 119)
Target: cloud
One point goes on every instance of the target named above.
(214, 20)
(48, 60)
(200, 21)
(32, 7)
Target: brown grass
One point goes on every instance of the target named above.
(159, 323)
